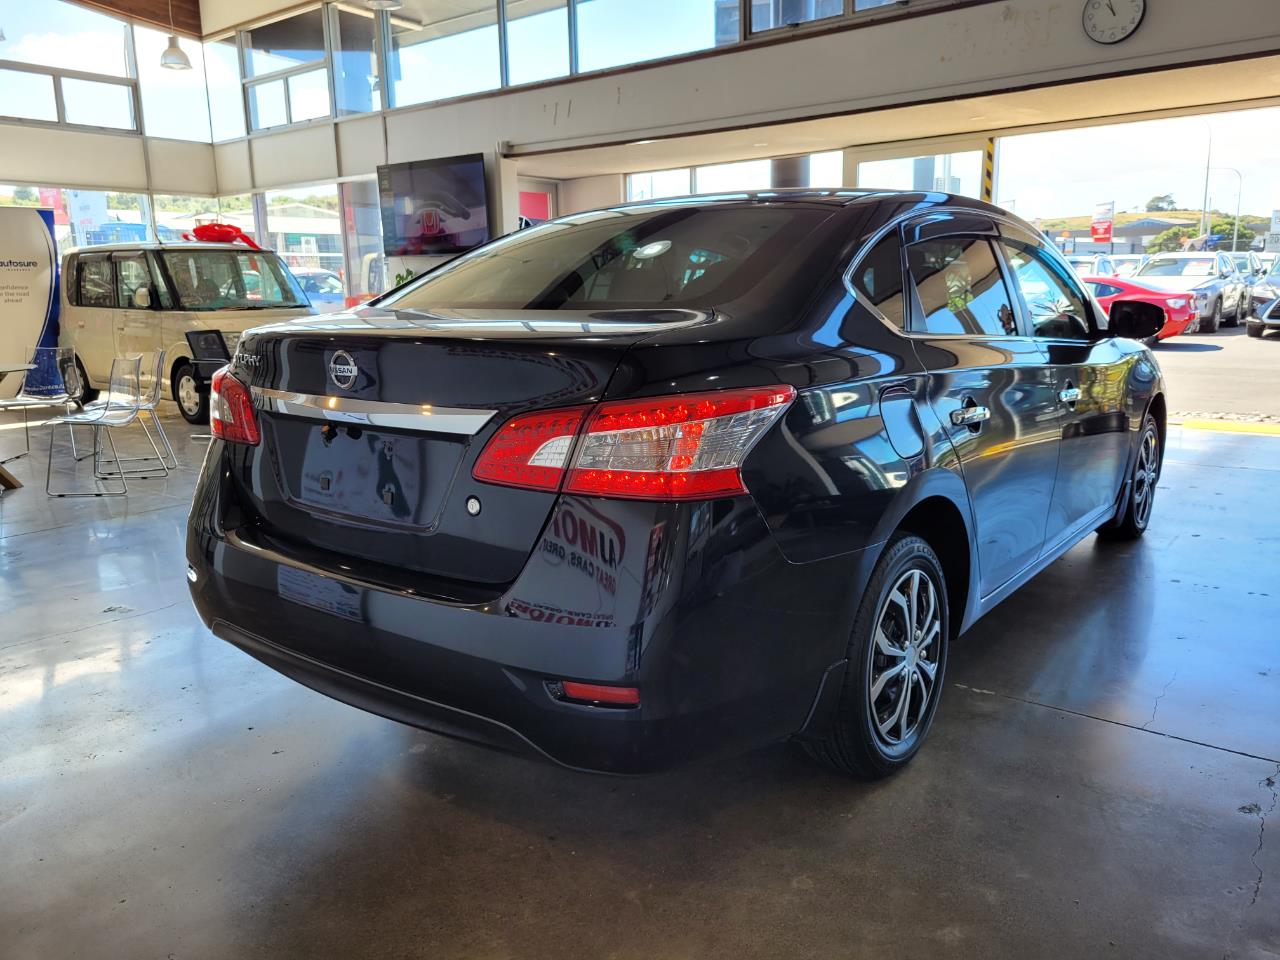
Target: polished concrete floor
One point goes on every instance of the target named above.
(1098, 783)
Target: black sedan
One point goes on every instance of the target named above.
(649, 483)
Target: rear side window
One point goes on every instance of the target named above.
(959, 288)
(1104, 289)
(96, 283)
(878, 277)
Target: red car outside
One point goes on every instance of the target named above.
(1180, 311)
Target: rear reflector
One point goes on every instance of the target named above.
(600, 693)
(687, 447)
(231, 410)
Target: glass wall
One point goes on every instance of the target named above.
(53, 33)
(283, 44)
(730, 177)
(362, 231)
(616, 32)
(303, 226)
(85, 218)
(784, 13)
(826, 169)
(284, 64)
(537, 40)
(959, 173)
(94, 104)
(28, 96)
(168, 95)
(226, 95)
(439, 51)
(660, 184)
(355, 63)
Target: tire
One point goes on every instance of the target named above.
(190, 395)
(1235, 317)
(865, 740)
(1254, 329)
(78, 385)
(1211, 325)
(1132, 521)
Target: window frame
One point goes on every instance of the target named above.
(59, 74)
(1055, 264)
(915, 309)
(325, 63)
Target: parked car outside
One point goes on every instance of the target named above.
(134, 298)
(1264, 295)
(323, 288)
(1179, 309)
(1210, 276)
(1094, 265)
(1127, 264)
(624, 490)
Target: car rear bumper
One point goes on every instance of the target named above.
(727, 642)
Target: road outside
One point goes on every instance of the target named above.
(1222, 376)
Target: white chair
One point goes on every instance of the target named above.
(51, 365)
(122, 407)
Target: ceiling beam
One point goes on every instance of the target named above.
(186, 13)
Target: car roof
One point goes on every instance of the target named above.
(1180, 254)
(164, 245)
(834, 196)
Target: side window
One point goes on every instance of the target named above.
(1104, 289)
(260, 281)
(159, 284)
(960, 288)
(132, 275)
(97, 285)
(878, 277)
(1056, 308)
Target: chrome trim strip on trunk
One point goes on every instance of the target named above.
(426, 418)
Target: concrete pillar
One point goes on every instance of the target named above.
(504, 193)
(790, 171)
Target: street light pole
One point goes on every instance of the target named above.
(1204, 207)
(1235, 238)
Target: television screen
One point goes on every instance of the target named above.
(433, 207)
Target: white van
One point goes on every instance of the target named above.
(129, 298)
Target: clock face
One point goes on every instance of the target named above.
(1110, 21)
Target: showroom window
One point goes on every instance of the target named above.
(612, 33)
(304, 228)
(787, 13)
(286, 75)
(226, 94)
(353, 34)
(168, 95)
(438, 51)
(660, 184)
(959, 173)
(730, 177)
(537, 40)
(362, 228)
(28, 96)
(826, 169)
(176, 215)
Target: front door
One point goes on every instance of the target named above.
(1089, 375)
(137, 327)
(989, 386)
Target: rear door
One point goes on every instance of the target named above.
(1088, 376)
(989, 386)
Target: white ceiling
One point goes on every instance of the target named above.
(1235, 85)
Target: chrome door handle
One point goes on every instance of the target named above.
(970, 416)
(1069, 394)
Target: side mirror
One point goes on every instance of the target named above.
(142, 298)
(1135, 320)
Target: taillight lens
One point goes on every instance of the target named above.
(531, 451)
(688, 447)
(231, 410)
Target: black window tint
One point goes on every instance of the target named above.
(1056, 309)
(96, 283)
(960, 288)
(878, 277)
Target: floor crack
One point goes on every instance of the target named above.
(1156, 706)
(1270, 783)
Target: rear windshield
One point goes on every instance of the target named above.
(231, 280)
(1180, 267)
(636, 257)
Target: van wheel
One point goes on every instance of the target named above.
(192, 397)
(896, 661)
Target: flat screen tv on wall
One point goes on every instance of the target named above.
(434, 208)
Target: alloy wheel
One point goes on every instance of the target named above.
(904, 662)
(1145, 475)
(188, 395)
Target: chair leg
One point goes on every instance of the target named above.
(164, 438)
(26, 434)
(141, 473)
(48, 476)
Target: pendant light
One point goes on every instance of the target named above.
(173, 58)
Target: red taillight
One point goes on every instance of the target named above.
(688, 447)
(231, 409)
(531, 450)
(600, 693)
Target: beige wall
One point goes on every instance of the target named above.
(588, 193)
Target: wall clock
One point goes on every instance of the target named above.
(1110, 21)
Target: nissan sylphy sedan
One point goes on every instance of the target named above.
(674, 478)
